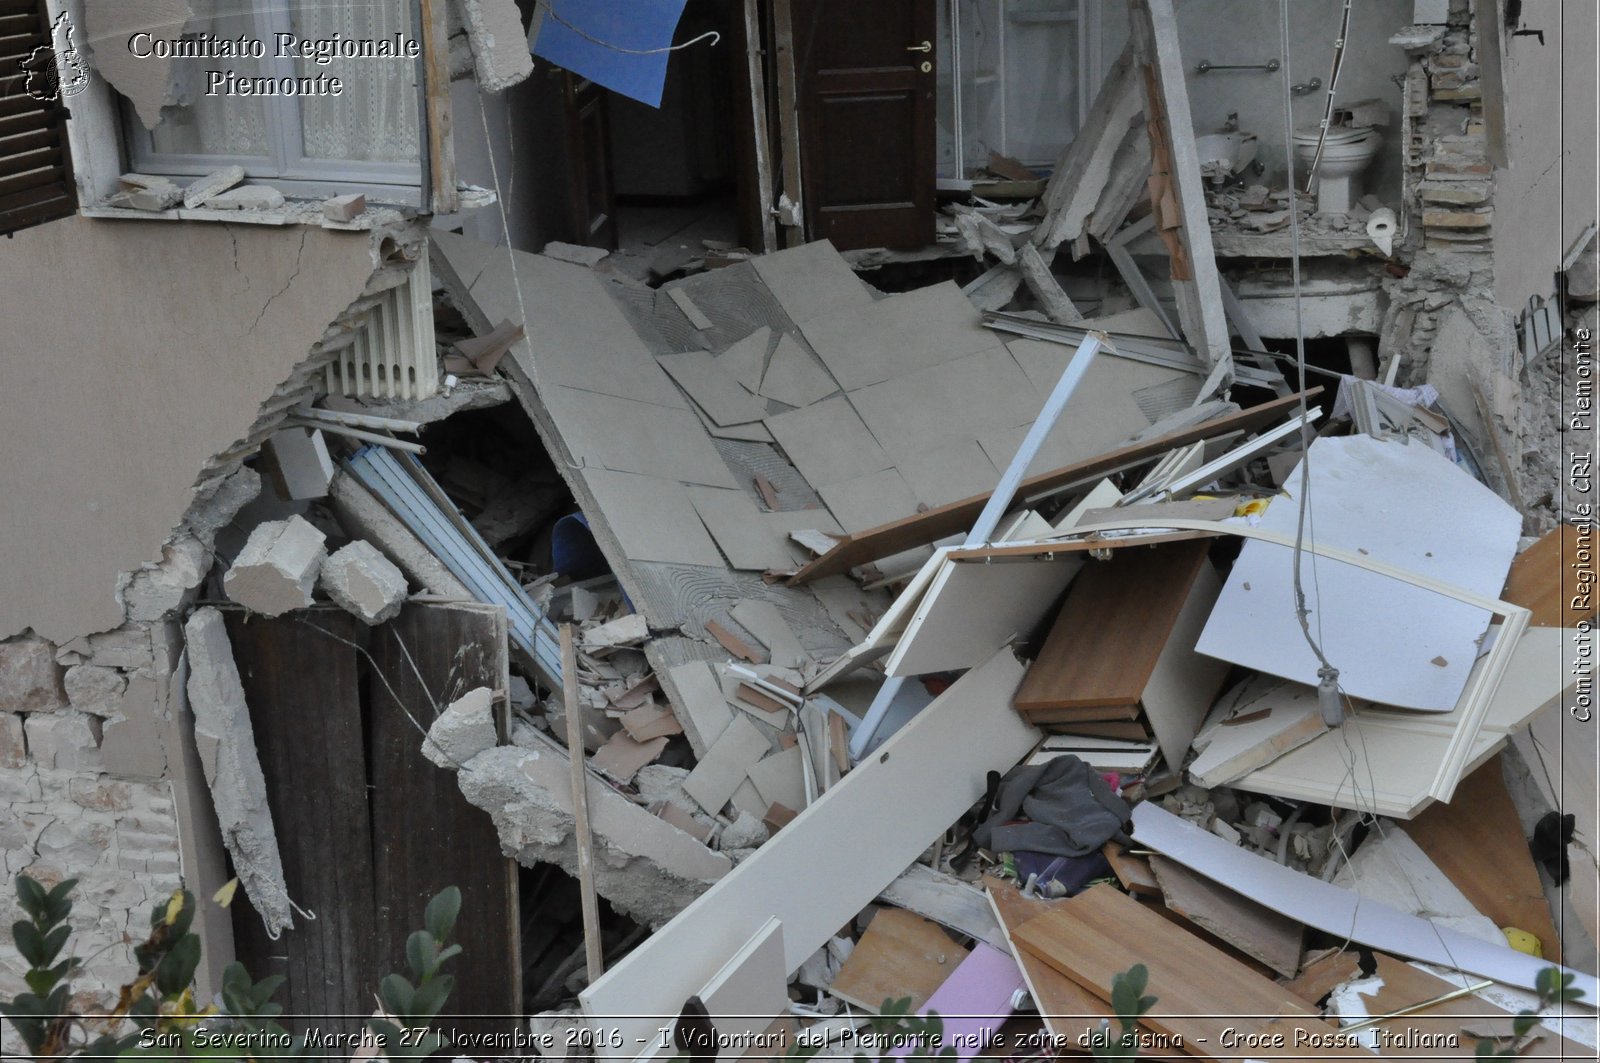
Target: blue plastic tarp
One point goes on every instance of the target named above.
(602, 40)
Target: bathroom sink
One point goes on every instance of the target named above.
(1224, 154)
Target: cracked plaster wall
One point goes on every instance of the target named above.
(134, 351)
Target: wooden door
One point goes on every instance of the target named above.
(867, 120)
(590, 183)
(368, 829)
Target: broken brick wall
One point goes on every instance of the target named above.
(1484, 238)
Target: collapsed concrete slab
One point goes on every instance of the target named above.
(278, 567)
(643, 865)
(232, 769)
(363, 581)
(463, 730)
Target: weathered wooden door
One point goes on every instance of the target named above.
(867, 120)
(369, 829)
(591, 186)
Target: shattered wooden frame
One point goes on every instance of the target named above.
(1476, 699)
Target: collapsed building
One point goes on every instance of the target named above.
(988, 490)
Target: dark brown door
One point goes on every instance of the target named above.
(866, 120)
(593, 190)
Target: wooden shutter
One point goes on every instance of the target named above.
(36, 183)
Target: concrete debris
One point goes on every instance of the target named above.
(344, 208)
(745, 832)
(95, 689)
(499, 43)
(157, 591)
(143, 192)
(64, 741)
(278, 567)
(463, 730)
(247, 197)
(227, 745)
(358, 577)
(643, 865)
(203, 189)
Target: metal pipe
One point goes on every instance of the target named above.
(356, 433)
(356, 420)
(999, 501)
(1205, 66)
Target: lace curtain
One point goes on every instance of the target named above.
(375, 118)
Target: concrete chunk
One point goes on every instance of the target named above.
(247, 197)
(278, 567)
(344, 208)
(232, 769)
(363, 581)
(463, 730)
(156, 591)
(500, 56)
(202, 189)
(30, 679)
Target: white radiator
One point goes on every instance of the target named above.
(393, 356)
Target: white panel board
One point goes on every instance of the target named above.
(1406, 506)
(930, 772)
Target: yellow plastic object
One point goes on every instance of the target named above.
(1523, 941)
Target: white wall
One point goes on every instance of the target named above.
(1246, 31)
(1547, 196)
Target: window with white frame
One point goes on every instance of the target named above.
(1016, 77)
(367, 135)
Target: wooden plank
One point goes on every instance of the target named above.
(948, 901)
(1324, 906)
(1478, 842)
(425, 834)
(1111, 630)
(1067, 1008)
(793, 220)
(304, 692)
(1202, 994)
(1444, 1027)
(1257, 931)
(954, 517)
(1132, 871)
(1320, 975)
(756, 80)
(1177, 194)
(1541, 580)
(931, 771)
(436, 95)
(899, 955)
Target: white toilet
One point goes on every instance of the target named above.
(1347, 151)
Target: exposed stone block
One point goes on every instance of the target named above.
(94, 689)
(205, 188)
(463, 730)
(278, 567)
(30, 679)
(1457, 219)
(13, 747)
(247, 197)
(64, 741)
(232, 769)
(1462, 193)
(363, 581)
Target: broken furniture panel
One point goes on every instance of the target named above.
(1253, 929)
(932, 769)
(1252, 725)
(1122, 647)
(1327, 907)
(1100, 933)
(899, 955)
(1067, 1008)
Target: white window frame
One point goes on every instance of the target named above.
(287, 167)
(1090, 74)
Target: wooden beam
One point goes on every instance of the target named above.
(1081, 173)
(792, 217)
(1177, 194)
(436, 93)
(758, 120)
(953, 517)
(593, 957)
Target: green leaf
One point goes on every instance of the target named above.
(42, 980)
(54, 941)
(420, 949)
(176, 970)
(29, 942)
(388, 1033)
(396, 994)
(428, 999)
(30, 895)
(263, 990)
(440, 916)
(451, 951)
